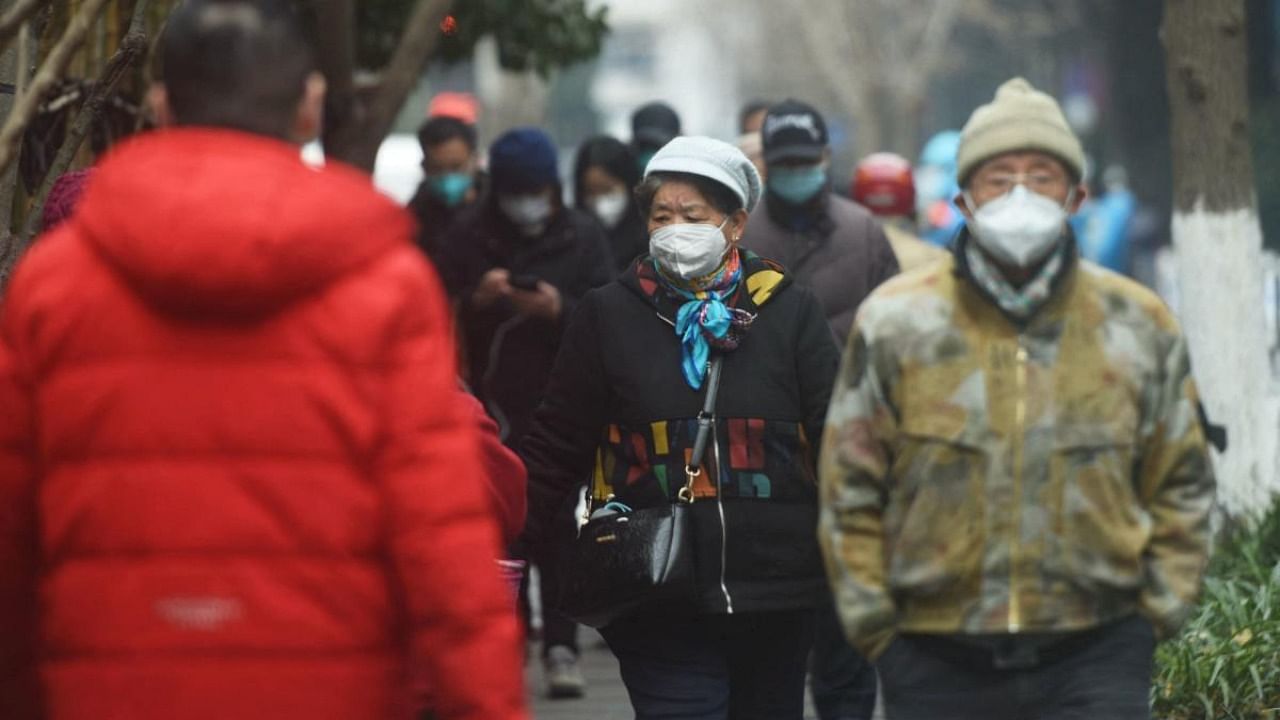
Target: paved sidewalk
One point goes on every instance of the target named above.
(606, 697)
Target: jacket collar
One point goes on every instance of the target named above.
(762, 280)
(1063, 284)
(813, 217)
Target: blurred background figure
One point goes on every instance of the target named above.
(63, 198)
(753, 148)
(883, 184)
(1103, 225)
(452, 180)
(605, 176)
(516, 266)
(829, 243)
(936, 186)
(751, 117)
(457, 105)
(652, 126)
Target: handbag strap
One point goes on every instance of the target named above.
(706, 421)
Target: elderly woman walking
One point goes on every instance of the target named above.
(622, 411)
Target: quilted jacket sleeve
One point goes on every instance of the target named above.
(441, 535)
(852, 470)
(18, 680)
(1177, 489)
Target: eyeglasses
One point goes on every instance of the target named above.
(1001, 183)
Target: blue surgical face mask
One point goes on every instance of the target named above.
(797, 185)
(450, 188)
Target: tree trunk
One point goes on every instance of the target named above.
(336, 28)
(131, 51)
(1219, 241)
(9, 180)
(15, 15)
(50, 72)
(358, 130)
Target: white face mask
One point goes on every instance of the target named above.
(609, 208)
(530, 213)
(1018, 228)
(689, 250)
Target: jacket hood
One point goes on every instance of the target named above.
(219, 222)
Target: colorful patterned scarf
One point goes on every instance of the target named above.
(1022, 302)
(705, 320)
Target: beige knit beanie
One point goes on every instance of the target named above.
(1020, 118)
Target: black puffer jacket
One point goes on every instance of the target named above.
(619, 413)
(508, 356)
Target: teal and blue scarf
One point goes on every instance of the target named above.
(705, 319)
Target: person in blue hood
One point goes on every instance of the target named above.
(936, 185)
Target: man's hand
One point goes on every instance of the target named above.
(545, 302)
(495, 285)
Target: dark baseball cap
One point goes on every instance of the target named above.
(793, 130)
(654, 125)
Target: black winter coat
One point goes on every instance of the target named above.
(509, 356)
(619, 413)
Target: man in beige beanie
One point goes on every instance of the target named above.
(1014, 482)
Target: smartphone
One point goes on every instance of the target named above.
(525, 281)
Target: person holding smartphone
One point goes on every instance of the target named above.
(516, 265)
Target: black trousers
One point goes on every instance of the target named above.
(557, 628)
(1100, 674)
(746, 666)
(843, 683)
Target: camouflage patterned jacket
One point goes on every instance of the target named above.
(979, 476)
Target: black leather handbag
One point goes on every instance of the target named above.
(622, 561)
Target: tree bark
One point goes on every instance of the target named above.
(9, 71)
(358, 140)
(133, 48)
(1219, 241)
(401, 74)
(839, 53)
(53, 68)
(17, 14)
(335, 28)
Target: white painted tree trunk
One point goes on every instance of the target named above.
(1221, 304)
(1219, 243)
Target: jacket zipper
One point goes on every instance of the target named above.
(724, 528)
(1015, 554)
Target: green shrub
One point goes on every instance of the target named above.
(1226, 663)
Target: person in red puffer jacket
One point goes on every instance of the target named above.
(237, 478)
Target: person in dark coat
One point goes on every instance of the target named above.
(652, 125)
(517, 265)
(837, 249)
(453, 181)
(830, 243)
(604, 175)
(621, 409)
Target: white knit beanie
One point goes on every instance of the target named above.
(1020, 118)
(712, 159)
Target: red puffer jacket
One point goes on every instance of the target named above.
(232, 448)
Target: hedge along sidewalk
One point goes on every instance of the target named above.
(1226, 662)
